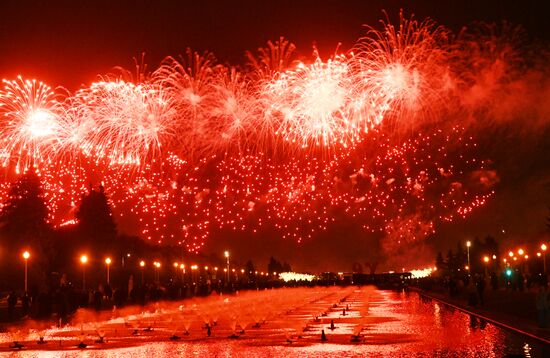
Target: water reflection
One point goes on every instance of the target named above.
(301, 322)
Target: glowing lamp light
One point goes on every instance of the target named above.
(539, 254)
(83, 259)
(142, 263)
(467, 267)
(226, 253)
(176, 264)
(508, 272)
(486, 259)
(543, 247)
(494, 257)
(468, 243)
(526, 257)
(108, 261)
(511, 254)
(215, 269)
(242, 270)
(520, 252)
(26, 255)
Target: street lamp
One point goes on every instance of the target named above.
(543, 248)
(520, 252)
(486, 260)
(142, 266)
(193, 268)
(108, 263)
(226, 254)
(26, 256)
(468, 244)
(157, 266)
(83, 261)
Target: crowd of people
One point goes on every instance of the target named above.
(60, 302)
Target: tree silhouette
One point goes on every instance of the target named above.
(440, 263)
(461, 256)
(451, 262)
(24, 226)
(274, 266)
(95, 219)
(24, 216)
(286, 267)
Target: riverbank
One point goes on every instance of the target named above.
(512, 310)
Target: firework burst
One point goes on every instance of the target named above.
(32, 128)
(285, 146)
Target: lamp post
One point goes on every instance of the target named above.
(468, 244)
(193, 269)
(543, 247)
(157, 266)
(26, 256)
(108, 263)
(486, 260)
(182, 267)
(142, 267)
(83, 261)
(226, 254)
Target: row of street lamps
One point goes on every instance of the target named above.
(157, 265)
(521, 254)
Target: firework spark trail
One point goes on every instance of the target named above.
(169, 199)
(255, 192)
(287, 145)
(125, 122)
(412, 186)
(401, 71)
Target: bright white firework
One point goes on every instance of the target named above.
(125, 122)
(32, 127)
(310, 103)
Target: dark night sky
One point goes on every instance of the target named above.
(69, 42)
